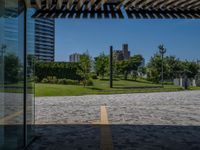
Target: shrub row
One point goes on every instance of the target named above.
(54, 80)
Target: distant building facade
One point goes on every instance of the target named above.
(198, 62)
(74, 57)
(123, 54)
(45, 39)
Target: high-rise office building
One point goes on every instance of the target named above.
(44, 39)
(74, 57)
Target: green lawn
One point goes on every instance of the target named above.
(102, 87)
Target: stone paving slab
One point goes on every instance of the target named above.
(174, 108)
(145, 121)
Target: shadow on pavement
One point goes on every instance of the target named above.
(139, 137)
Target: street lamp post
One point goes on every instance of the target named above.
(111, 67)
(162, 51)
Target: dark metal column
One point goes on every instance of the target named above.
(25, 75)
(111, 66)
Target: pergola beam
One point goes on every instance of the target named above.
(148, 4)
(48, 4)
(190, 3)
(147, 9)
(157, 4)
(59, 4)
(122, 3)
(80, 3)
(178, 3)
(196, 6)
(69, 4)
(185, 3)
(38, 4)
(101, 3)
(90, 4)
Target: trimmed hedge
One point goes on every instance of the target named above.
(60, 70)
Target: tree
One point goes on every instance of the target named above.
(142, 70)
(84, 67)
(173, 68)
(154, 68)
(101, 65)
(125, 68)
(131, 65)
(136, 61)
(191, 68)
(12, 68)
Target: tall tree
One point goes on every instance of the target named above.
(85, 67)
(101, 65)
(154, 68)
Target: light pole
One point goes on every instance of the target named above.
(111, 67)
(162, 51)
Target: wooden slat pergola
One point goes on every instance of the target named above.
(134, 9)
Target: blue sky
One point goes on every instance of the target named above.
(180, 37)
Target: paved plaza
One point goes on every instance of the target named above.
(146, 121)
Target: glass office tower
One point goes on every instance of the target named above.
(44, 39)
(16, 75)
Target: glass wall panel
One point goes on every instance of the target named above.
(12, 75)
(30, 101)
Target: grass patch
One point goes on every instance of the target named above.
(102, 87)
(194, 88)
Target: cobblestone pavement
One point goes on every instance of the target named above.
(137, 121)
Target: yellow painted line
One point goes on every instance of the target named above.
(9, 117)
(104, 116)
(5, 119)
(106, 136)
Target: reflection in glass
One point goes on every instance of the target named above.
(12, 75)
